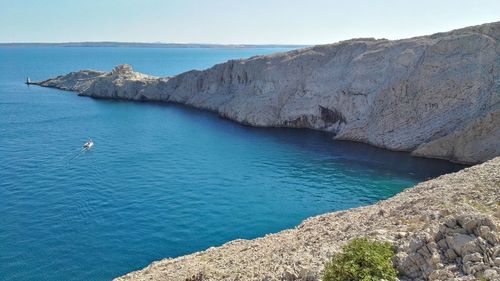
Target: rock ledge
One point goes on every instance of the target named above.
(443, 229)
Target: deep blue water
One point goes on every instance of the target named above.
(162, 180)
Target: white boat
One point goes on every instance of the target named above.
(88, 144)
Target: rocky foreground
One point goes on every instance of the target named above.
(436, 96)
(444, 229)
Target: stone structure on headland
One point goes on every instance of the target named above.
(434, 96)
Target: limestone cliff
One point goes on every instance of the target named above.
(437, 95)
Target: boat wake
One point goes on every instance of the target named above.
(79, 152)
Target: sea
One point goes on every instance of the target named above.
(162, 180)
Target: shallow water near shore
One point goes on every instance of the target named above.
(163, 180)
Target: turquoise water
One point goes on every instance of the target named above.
(162, 180)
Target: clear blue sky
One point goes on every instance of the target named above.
(232, 21)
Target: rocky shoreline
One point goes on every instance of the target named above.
(443, 229)
(436, 96)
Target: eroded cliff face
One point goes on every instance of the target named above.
(438, 95)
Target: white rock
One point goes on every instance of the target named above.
(437, 96)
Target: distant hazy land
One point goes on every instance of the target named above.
(146, 45)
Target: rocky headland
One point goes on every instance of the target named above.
(434, 96)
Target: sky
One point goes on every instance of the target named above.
(235, 22)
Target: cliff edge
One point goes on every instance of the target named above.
(436, 96)
(443, 229)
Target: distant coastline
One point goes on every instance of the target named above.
(146, 45)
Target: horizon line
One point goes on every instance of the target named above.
(83, 43)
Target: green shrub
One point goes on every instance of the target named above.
(362, 259)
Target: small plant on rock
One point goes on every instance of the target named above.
(362, 260)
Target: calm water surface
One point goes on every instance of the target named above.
(162, 180)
